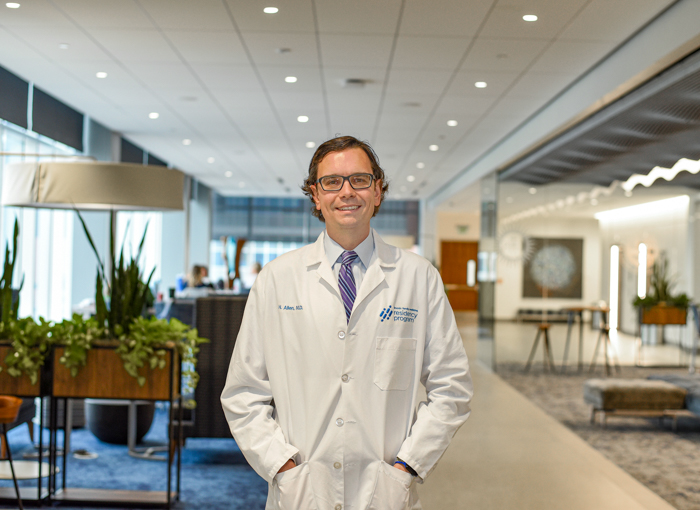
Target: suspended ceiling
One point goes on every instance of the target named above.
(214, 71)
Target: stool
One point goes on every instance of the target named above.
(542, 330)
(604, 335)
(9, 407)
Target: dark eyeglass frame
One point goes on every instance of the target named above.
(345, 178)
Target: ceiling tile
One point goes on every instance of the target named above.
(38, 13)
(163, 76)
(503, 55)
(135, 45)
(571, 57)
(453, 17)
(106, 13)
(358, 16)
(429, 53)
(185, 14)
(540, 86)
(264, 46)
(293, 16)
(236, 78)
(210, 47)
(507, 18)
(417, 81)
(357, 50)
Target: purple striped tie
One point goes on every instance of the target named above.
(346, 282)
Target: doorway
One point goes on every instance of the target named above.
(458, 261)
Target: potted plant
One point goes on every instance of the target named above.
(660, 305)
(24, 343)
(86, 350)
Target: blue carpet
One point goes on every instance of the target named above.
(215, 475)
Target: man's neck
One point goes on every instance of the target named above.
(349, 240)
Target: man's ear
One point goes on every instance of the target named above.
(377, 192)
(314, 194)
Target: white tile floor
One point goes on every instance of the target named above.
(512, 455)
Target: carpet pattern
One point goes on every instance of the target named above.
(214, 472)
(668, 463)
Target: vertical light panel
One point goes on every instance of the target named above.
(471, 273)
(614, 285)
(642, 271)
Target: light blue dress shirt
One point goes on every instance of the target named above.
(364, 252)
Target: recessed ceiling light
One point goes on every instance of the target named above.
(433, 147)
(291, 79)
(101, 74)
(420, 165)
(480, 84)
(241, 184)
(63, 46)
(210, 159)
(270, 10)
(530, 17)
(532, 191)
(410, 178)
(452, 123)
(12, 5)
(186, 141)
(153, 115)
(310, 145)
(228, 173)
(303, 118)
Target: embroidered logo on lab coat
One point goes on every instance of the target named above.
(398, 314)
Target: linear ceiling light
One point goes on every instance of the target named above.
(659, 172)
(644, 210)
(91, 185)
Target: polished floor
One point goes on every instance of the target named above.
(512, 455)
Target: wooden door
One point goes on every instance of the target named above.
(458, 264)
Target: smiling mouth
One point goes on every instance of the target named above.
(349, 208)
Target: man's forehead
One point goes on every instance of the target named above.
(349, 159)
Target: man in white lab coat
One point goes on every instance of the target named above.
(322, 394)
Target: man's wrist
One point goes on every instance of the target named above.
(408, 468)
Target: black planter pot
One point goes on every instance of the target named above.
(108, 420)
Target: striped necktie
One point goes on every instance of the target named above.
(346, 282)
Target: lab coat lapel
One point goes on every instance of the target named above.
(383, 258)
(324, 271)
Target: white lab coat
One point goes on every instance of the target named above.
(346, 395)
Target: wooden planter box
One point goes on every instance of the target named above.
(104, 376)
(664, 315)
(18, 386)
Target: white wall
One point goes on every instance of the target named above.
(451, 227)
(509, 287)
(663, 229)
(200, 225)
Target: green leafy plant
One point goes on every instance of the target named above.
(76, 335)
(661, 286)
(8, 307)
(141, 341)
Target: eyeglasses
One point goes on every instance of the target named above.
(336, 182)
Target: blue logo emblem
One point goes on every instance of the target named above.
(386, 313)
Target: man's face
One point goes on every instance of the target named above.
(348, 209)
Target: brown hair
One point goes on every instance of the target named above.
(339, 144)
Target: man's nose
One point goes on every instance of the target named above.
(347, 190)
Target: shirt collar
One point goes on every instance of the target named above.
(364, 250)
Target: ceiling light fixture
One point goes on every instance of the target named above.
(291, 79)
(410, 178)
(211, 159)
(186, 141)
(310, 145)
(420, 165)
(101, 74)
(452, 123)
(228, 173)
(302, 118)
(530, 17)
(659, 172)
(532, 191)
(12, 5)
(153, 115)
(270, 10)
(480, 84)
(433, 147)
(63, 46)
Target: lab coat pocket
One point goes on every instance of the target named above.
(293, 489)
(392, 490)
(394, 359)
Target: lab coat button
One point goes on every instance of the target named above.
(341, 334)
(338, 507)
(339, 422)
(345, 378)
(337, 465)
